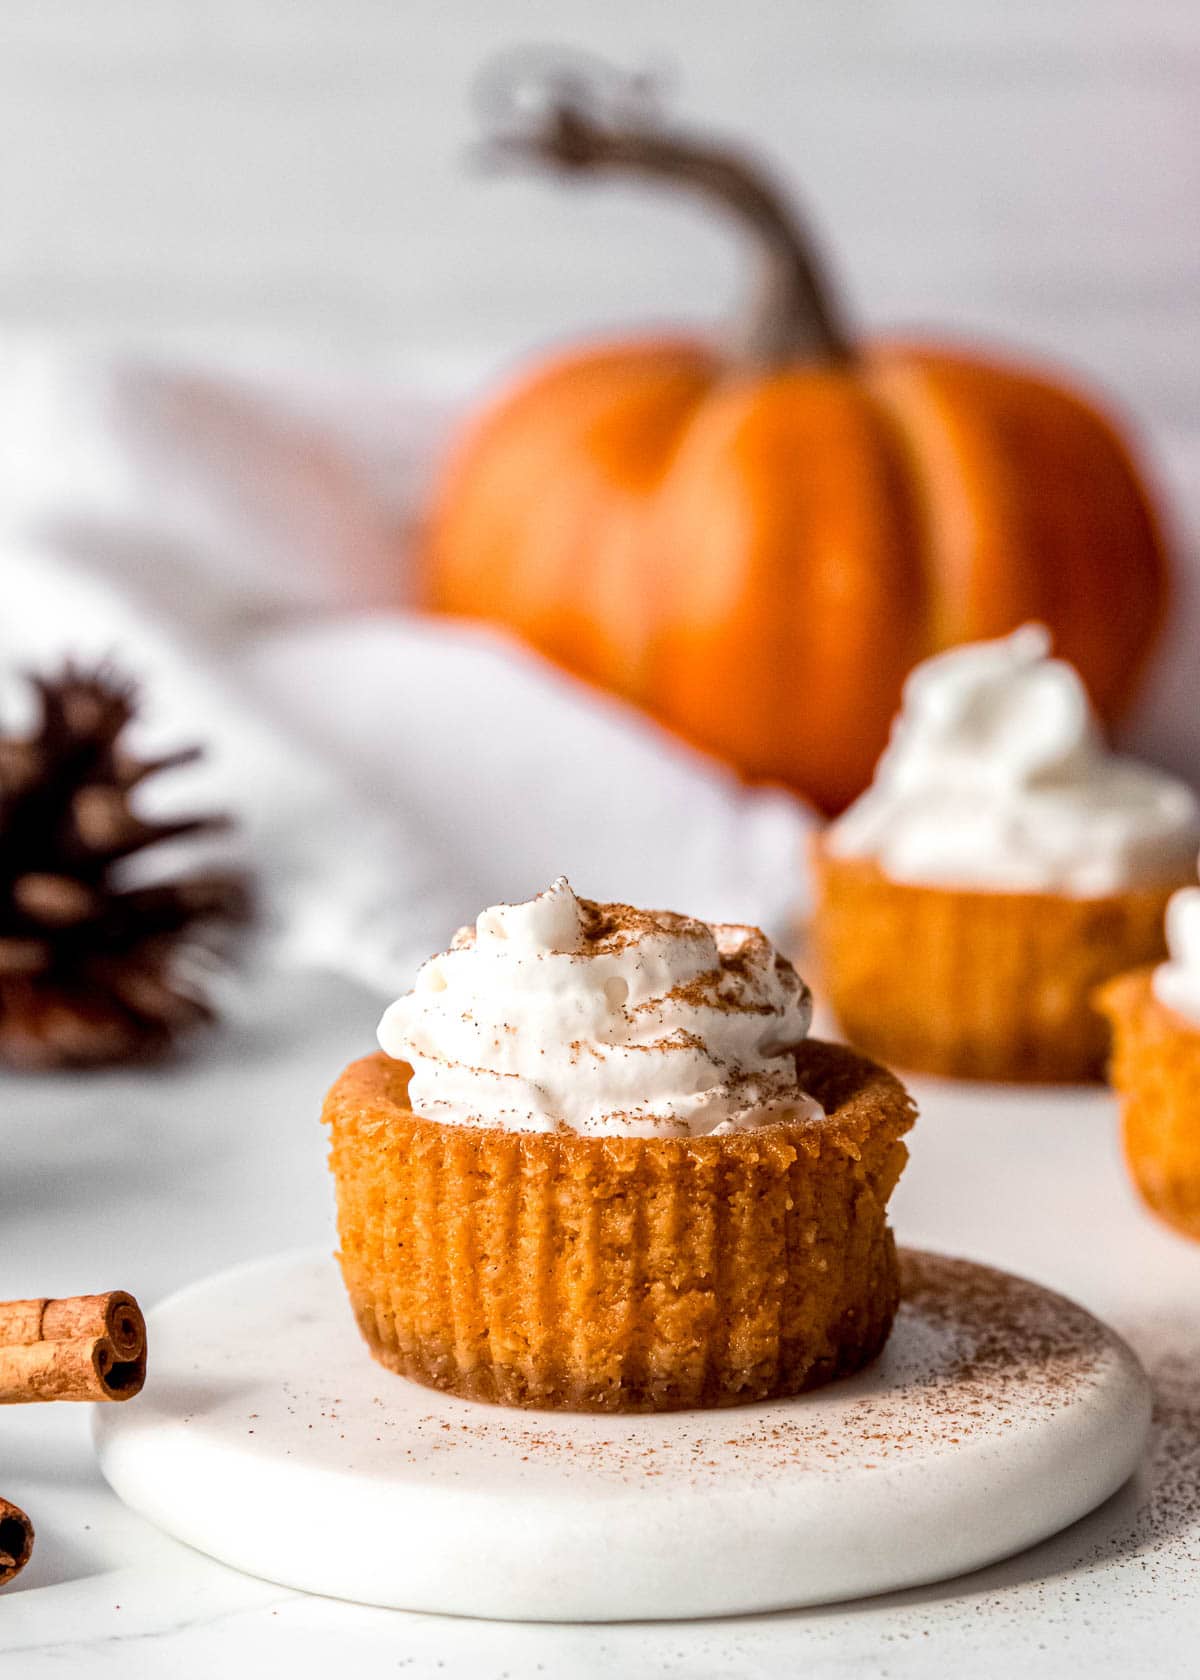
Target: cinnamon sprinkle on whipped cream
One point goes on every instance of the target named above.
(562, 1014)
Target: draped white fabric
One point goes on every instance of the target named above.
(241, 546)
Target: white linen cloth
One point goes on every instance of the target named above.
(238, 545)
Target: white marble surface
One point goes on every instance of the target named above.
(151, 1181)
(267, 1433)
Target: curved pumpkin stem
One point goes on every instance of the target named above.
(558, 113)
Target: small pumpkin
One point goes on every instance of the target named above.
(756, 541)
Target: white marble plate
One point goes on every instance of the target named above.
(266, 1437)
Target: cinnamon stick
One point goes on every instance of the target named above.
(79, 1347)
(16, 1540)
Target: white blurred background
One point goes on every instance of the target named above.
(247, 278)
(274, 171)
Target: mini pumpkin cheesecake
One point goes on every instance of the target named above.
(1002, 866)
(599, 1165)
(1155, 1018)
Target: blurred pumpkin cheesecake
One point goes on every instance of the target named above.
(1155, 1016)
(599, 1165)
(1002, 864)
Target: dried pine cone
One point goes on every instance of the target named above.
(90, 966)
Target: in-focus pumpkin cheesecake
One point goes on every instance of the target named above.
(599, 1165)
(1002, 864)
(1155, 1016)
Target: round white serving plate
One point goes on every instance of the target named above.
(267, 1437)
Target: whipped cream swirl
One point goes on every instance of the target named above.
(561, 1014)
(997, 776)
(1177, 981)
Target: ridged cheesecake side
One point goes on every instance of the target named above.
(621, 1273)
(1156, 1071)
(975, 984)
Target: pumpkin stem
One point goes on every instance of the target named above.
(559, 112)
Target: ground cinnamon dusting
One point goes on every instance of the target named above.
(1163, 1528)
(614, 927)
(705, 992)
(973, 1351)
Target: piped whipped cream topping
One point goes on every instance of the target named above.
(562, 1014)
(1177, 981)
(997, 776)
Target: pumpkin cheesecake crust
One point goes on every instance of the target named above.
(621, 1273)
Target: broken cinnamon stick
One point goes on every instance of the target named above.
(16, 1540)
(80, 1347)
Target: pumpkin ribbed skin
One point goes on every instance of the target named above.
(759, 558)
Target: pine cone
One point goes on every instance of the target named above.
(92, 968)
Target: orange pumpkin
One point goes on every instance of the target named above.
(757, 544)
